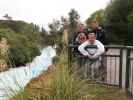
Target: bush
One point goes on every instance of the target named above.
(67, 86)
(24, 40)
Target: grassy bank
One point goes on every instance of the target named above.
(58, 83)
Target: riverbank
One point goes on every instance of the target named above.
(19, 77)
(57, 83)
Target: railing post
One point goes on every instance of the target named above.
(69, 57)
(123, 70)
(120, 68)
(127, 69)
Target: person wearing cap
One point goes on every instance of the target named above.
(91, 49)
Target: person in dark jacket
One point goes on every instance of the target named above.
(99, 31)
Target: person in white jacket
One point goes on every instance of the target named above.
(92, 49)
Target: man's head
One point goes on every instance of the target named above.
(81, 27)
(91, 37)
(94, 24)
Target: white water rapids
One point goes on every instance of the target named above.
(17, 78)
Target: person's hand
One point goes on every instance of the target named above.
(90, 56)
(94, 57)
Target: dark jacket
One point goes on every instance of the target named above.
(100, 35)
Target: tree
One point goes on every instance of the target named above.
(73, 22)
(130, 26)
(55, 26)
(24, 40)
(98, 15)
(116, 17)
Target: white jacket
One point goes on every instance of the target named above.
(99, 51)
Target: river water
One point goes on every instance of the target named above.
(17, 78)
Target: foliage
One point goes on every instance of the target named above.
(117, 19)
(24, 40)
(73, 23)
(73, 20)
(98, 15)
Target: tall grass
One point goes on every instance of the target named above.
(67, 86)
(64, 85)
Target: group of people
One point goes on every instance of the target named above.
(82, 33)
(91, 45)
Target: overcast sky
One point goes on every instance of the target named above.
(43, 11)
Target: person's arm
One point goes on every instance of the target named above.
(82, 50)
(77, 37)
(100, 50)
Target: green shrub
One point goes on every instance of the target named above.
(67, 86)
